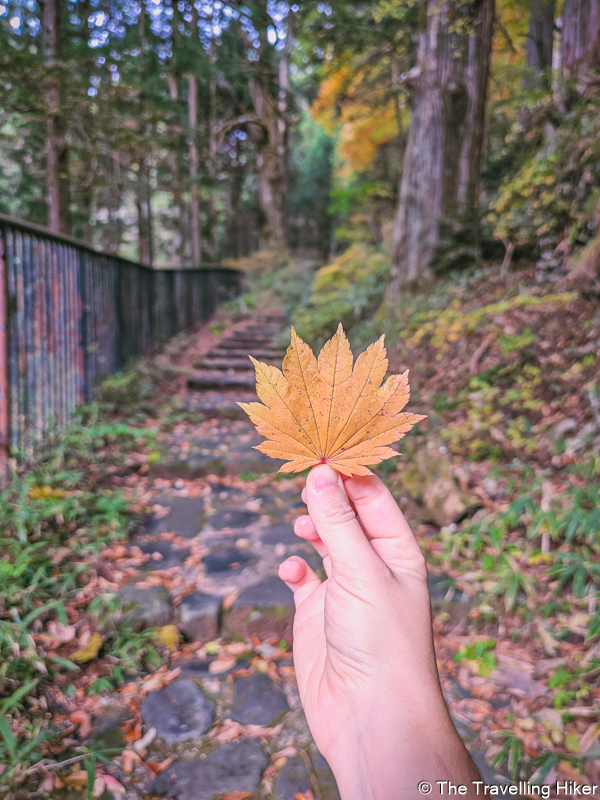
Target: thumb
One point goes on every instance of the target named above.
(336, 523)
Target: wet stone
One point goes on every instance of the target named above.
(143, 608)
(184, 518)
(265, 608)
(106, 729)
(229, 560)
(271, 592)
(279, 534)
(325, 777)
(190, 467)
(178, 712)
(171, 556)
(237, 766)
(244, 461)
(233, 518)
(199, 615)
(257, 701)
(292, 778)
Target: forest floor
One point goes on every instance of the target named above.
(159, 661)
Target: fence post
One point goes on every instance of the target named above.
(4, 384)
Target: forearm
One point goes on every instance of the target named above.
(395, 754)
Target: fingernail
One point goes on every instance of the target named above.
(325, 476)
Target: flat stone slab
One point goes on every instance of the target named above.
(211, 379)
(292, 778)
(184, 518)
(279, 534)
(228, 560)
(220, 405)
(190, 467)
(239, 352)
(171, 556)
(235, 766)
(257, 701)
(199, 615)
(265, 608)
(143, 608)
(324, 775)
(238, 462)
(229, 363)
(178, 712)
(271, 592)
(233, 518)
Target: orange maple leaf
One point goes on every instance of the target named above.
(329, 411)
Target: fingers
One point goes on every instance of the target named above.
(300, 578)
(383, 522)
(337, 525)
(304, 528)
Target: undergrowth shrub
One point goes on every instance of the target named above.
(348, 290)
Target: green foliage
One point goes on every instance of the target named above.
(553, 194)
(479, 654)
(347, 290)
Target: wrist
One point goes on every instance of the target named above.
(396, 748)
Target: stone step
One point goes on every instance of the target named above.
(236, 344)
(221, 380)
(271, 353)
(217, 405)
(230, 363)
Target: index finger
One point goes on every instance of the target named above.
(383, 521)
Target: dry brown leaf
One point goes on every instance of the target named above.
(329, 411)
(237, 795)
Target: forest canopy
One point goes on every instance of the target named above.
(181, 133)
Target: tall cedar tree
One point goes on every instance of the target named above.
(440, 179)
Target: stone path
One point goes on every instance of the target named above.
(209, 554)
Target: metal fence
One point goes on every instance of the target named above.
(70, 316)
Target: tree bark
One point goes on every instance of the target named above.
(145, 254)
(540, 39)
(271, 138)
(57, 156)
(580, 36)
(440, 178)
(179, 221)
(196, 241)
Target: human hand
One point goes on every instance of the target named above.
(363, 645)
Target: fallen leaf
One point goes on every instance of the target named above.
(145, 741)
(221, 665)
(158, 768)
(129, 758)
(237, 795)
(90, 651)
(83, 719)
(64, 633)
(307, 795)
(328, 411)
(113, 786)
(77, 778)
(168, 635)
(230, 599)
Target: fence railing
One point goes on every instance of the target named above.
(70, 316)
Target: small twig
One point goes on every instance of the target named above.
(478, 354)
(56, 765)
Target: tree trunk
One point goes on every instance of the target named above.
(580, 36)
(271, 138)
(179, 221)
(213, 149)
(540, 38)
(57, 166)
(440, 178)
(194, 168)
(144, 214)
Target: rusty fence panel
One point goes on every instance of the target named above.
(71, 316)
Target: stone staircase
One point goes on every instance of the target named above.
(222, 522)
